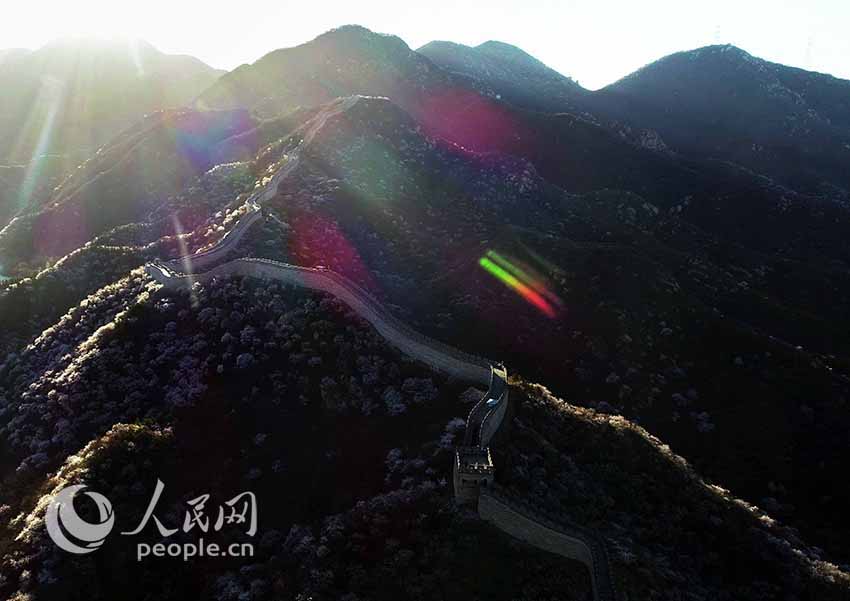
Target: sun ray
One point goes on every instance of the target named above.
(51, 93)
(187, 258)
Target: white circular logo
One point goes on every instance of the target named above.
(72, 533)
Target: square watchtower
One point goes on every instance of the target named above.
(473, 469)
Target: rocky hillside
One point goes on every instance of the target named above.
(653, 317)
(722, 102)
(660, 320)
(86, 91)
(60, 103)
(344, 61)
(354, 60)
(511, 72)
(347, 445)
(715, 102)
(625, 272)
(684, 289)
(600, 148)
(673, 534)
(122, 183)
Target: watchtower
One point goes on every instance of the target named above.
(473, 469)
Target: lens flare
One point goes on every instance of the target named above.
(133, 46)
(526, 274)
(317, 240)
(469, 120)
(205, 138)
(522, 282)
(50, 94)
(187, 258)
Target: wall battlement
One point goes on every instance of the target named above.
(515, 516)
(474, 470)
(431, 352)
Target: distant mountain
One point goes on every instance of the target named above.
(657, 319)
(460, 94)
(60, 103)
(721, 102)
(514, 74)
(717, 102)
(123, 182)
(578, 153)
(74, 94)
(670, 278)
(353, 60)
(347, 60)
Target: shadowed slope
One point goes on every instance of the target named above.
(720, 101)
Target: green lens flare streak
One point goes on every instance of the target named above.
(520, 274)
(513, 283)
(510, 267)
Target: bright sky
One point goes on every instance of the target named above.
(594, 41)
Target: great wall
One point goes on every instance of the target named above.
(474, 470)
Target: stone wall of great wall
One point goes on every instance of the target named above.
(473, 470)
(515, 516)
(495, 415)
(435, 354)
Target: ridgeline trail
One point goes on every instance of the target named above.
(473, 466)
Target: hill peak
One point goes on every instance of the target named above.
(725, 51)
(350, 29)
(358, 33)
(510, 72)
(495, 53)
(707, 59)
(724, 48)
(347, 39)
(98, 44)
(505, 50)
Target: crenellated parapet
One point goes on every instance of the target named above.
(474, 470)
(473, 467)
(474, 484)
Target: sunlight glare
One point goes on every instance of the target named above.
(51, 94)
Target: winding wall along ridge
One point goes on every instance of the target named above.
(484, 420)
(266, 192)
(438, 355)
(515, 516)
(507, 512)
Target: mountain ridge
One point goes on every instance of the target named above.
(682, 290)
(722, 102)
